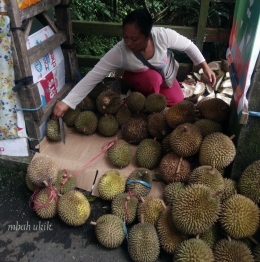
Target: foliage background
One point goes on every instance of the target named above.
(171, 12)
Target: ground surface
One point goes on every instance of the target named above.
(25, 237)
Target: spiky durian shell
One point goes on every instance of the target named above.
(172, 191)
(170, 237)
(110, 231)
(111, 183)
(154, 103)
(135, 102)
(249, 181)
(217, 149)
(148, 153)
(53, 130)
(157, 125)
(46, 203)
(133, 185)
(120, 154)
(107, 125)
(86, 122)
(41, 170)
(196, 209)
(232, 251)
(239, 216)
(108, 102)
(185, 140)
(150, 208)
(209, 176)
(180, 113)
(65, 182)
(174, 168)
(195, 250)
(70, 116)
(124, 206)
(73, 208)
(143, 243)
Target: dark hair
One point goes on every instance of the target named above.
(142, 18)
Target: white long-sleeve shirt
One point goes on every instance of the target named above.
(121, 57)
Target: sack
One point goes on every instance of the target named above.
(169, 72)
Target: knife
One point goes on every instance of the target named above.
(62, 130)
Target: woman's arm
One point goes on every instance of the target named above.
(182, 43)
(110, 62)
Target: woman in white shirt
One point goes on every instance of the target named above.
(152, 42)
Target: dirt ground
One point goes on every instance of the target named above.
(25, 237)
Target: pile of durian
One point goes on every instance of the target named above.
(204, 215)
(54, 192)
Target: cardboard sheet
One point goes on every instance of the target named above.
(87, 157)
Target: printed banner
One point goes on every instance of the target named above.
(244, 47)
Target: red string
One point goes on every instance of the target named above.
(51, 196)
(126, 205)
(64, 181)
(105, 147)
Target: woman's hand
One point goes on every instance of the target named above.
(209, 73)
(60, 109)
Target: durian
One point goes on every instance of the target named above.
(45, 203)
(217, 149)
(143, 243)
(53, 130)
(110, 230)
(42, 171)
(185, 140)
(249, 180)
(135, 102)
(195, 250)
(169, 236)
(139, 182)
(124, 206)
(111, 183)
(232, 251)
(239, 216)
(86, 122)
(180, 113)
(174, 168)
(107, 125)
(120, 153)
(148, 153)
(73, 208)
(154, 103)
(196, 209)
(150, 208)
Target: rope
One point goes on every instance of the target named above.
(30, 109)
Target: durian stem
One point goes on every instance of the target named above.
(179, 165)
(197, 237)
(45, 183)
(93, 223)
(142, 218)
(229, 238)
(231, 137)
(217, 193)
(142, 199)
(163, 204)
(253, 240)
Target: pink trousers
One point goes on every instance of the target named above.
(149, 82)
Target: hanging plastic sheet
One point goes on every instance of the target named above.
(13, 140)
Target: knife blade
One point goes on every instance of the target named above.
(62, 130)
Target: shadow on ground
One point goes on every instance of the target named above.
(25, 237)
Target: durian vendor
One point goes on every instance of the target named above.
(152, 42)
